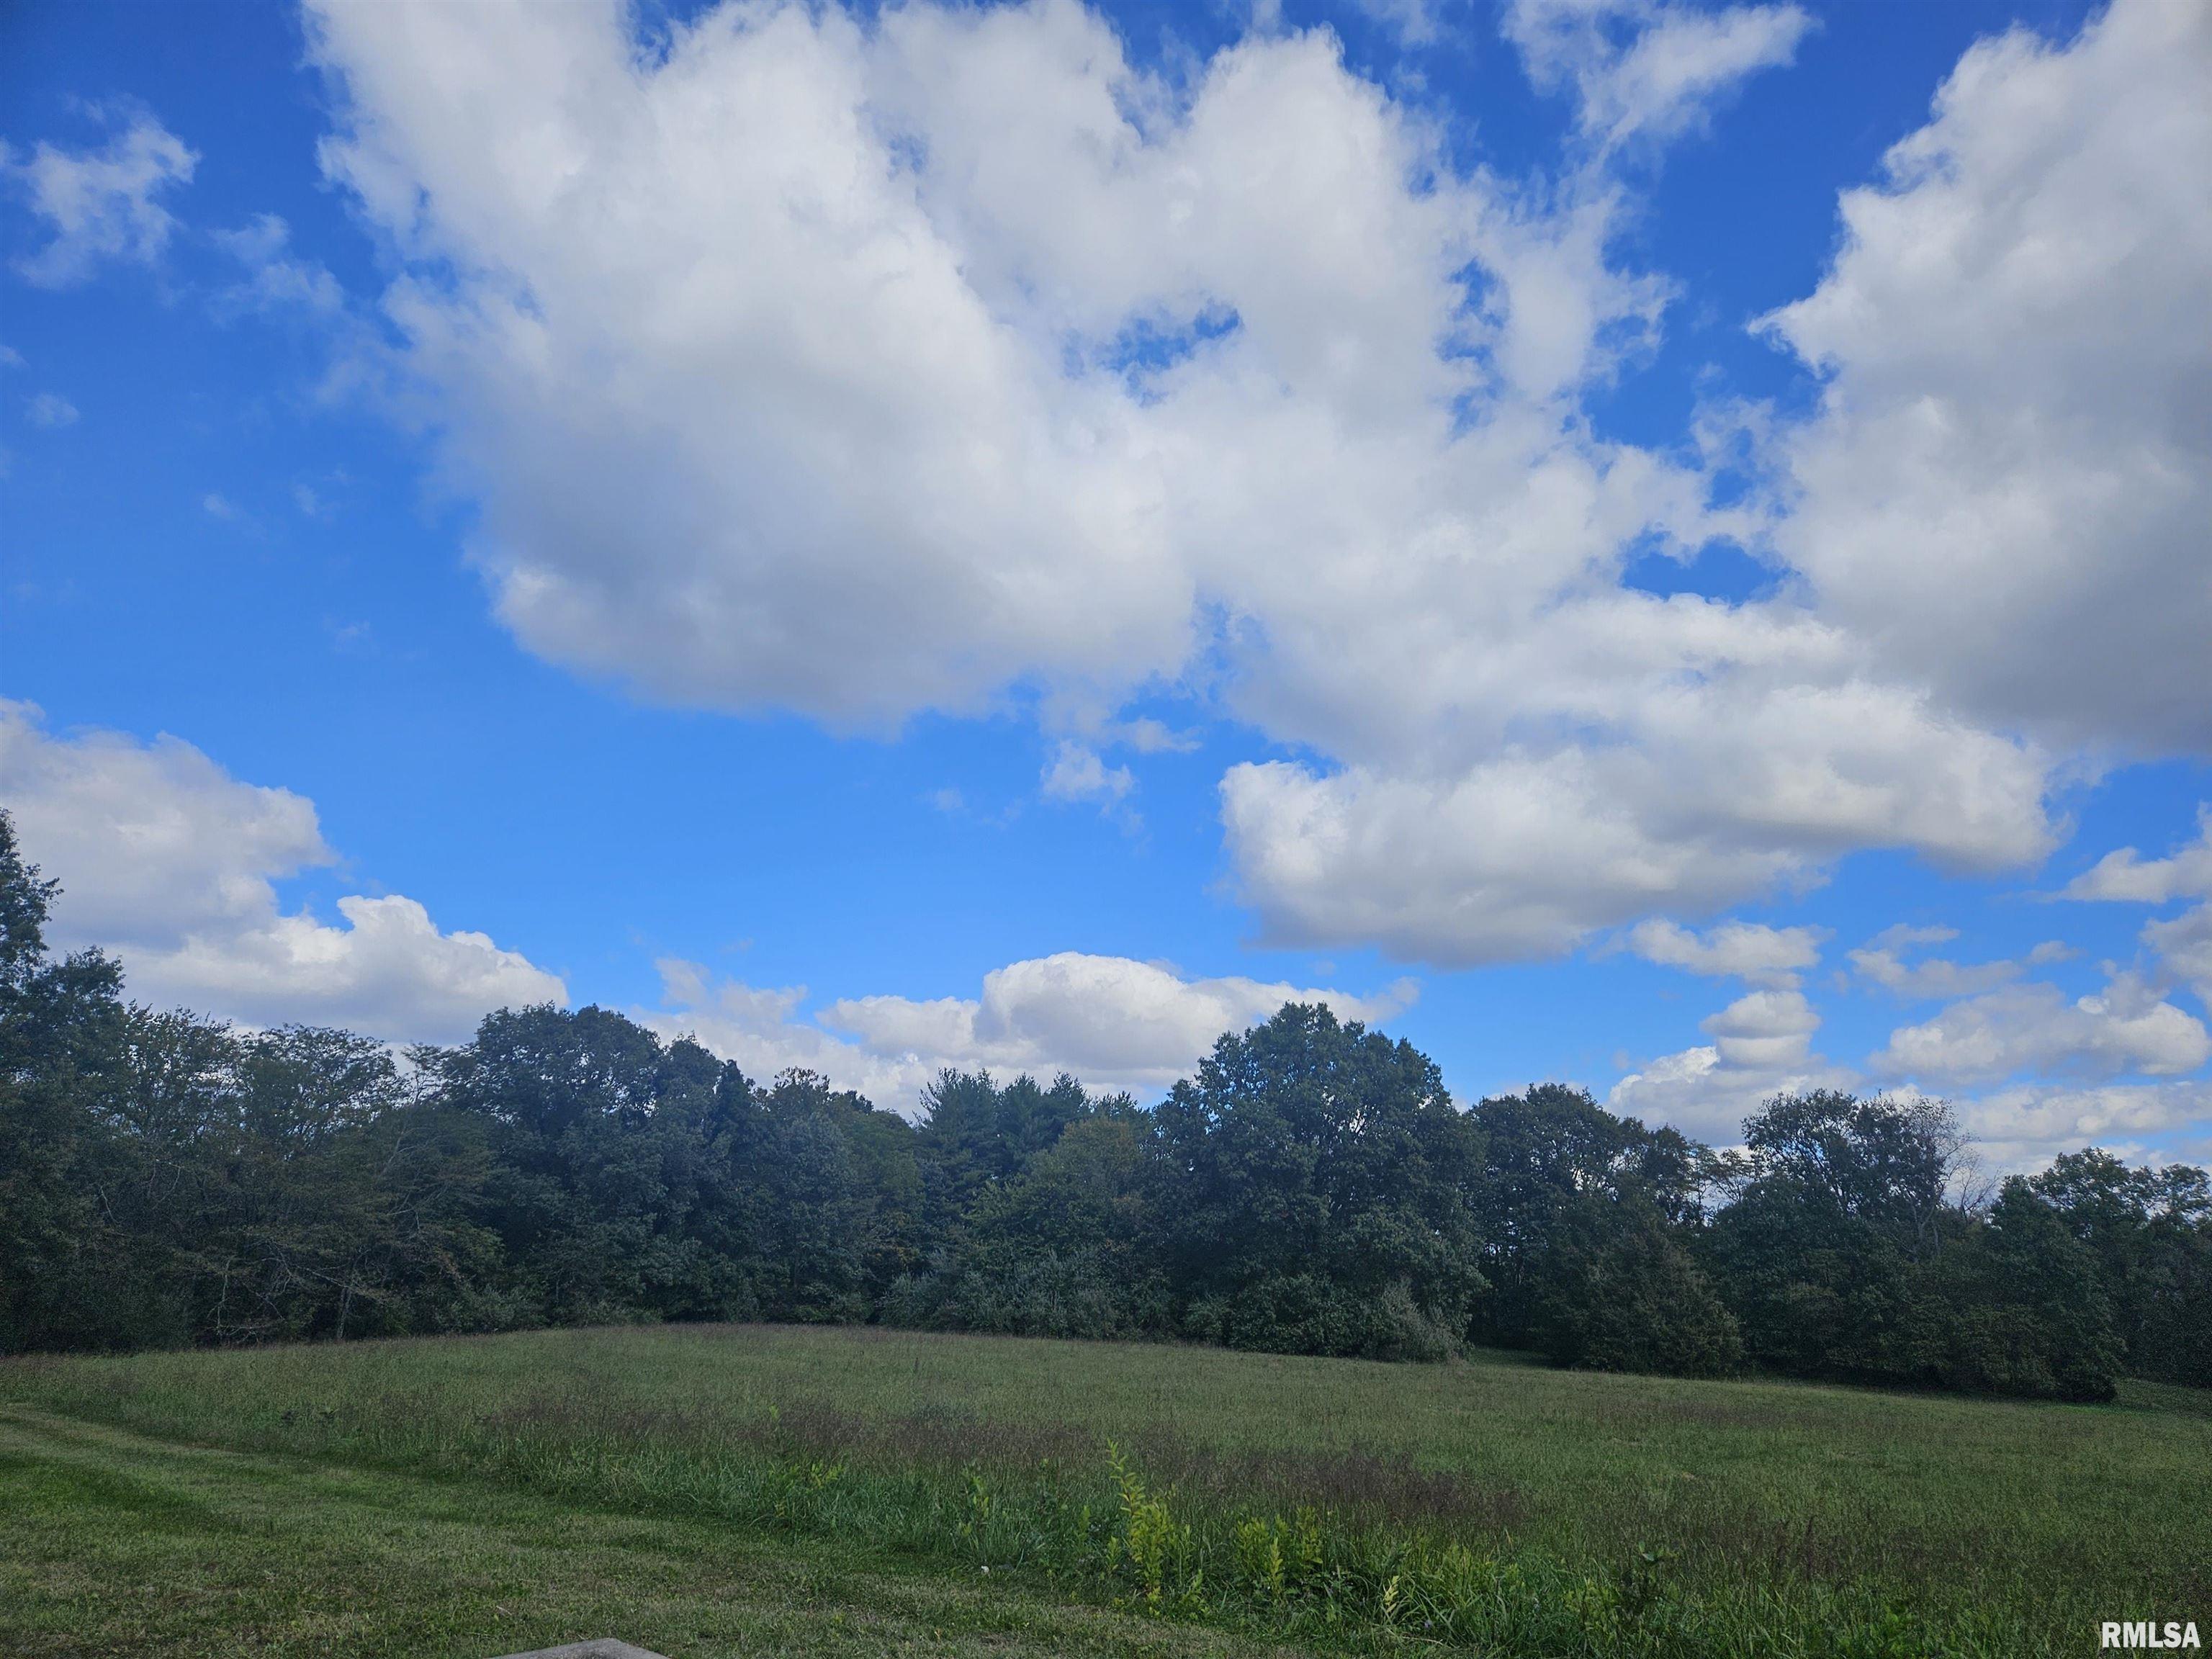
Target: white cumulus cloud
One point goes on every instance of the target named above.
(1733, 950)
(2124, 875)
(2025, 1126)
(169, 861)
(1762, 1047)
(2129, 1026)
(1075, 772)
(1881, 960)
(866, 366)
(2007, 486)
(2185, 944)
(1694, 799)
(1111, 1021)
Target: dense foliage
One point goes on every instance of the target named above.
(165, 1180)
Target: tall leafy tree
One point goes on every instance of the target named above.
(1558, 1168)
(68, 1270)
(2025, 1314)
(164, 1179)
(2149, 1233)
(823, 1215)
(976, 1132)
(1890, 1164)
(1319, 1185)
(1616, 1289)
(347, 1206)
(580, 1192)
(1837, 1201)
(1069, 1247)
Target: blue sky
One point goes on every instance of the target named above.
(1046, 526)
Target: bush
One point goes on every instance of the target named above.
(1044, 1292)
(1304, 1313)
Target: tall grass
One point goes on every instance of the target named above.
(1488, 1503)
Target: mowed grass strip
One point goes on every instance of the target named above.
(114, 1543)
(1489, 1501)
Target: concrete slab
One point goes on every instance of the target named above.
(604, 1647)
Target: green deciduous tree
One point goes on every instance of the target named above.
(167, 1179)
(2149, 1233)
(1560, 1172)
(1616, 1289)
(1320, 1186)
(2022, 1310)
(69, 1270)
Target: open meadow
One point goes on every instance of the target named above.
(717, 1490)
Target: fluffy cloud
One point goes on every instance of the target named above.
(149, 839)
(2125, 875)
(2129, 1026)
(1113, 1022)
(101, 204)
(275, 279)
(1130, 1023)
(2007, 485)
(863, 368)
(1881, 960)
(2023, 1128)
(389, 971)
(1701, 797)
(1638, 68)
(2184, 943)
(856, 487)
(1762, 1047)
(167, 860)
(1933, 979)
(762, 1030)
(1764, 1031)
(1075, 773)
(1735, 949)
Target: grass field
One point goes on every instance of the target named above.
(743, 1489)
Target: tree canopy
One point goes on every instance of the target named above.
(1313, 1187)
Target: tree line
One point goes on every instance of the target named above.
(168, 1179)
